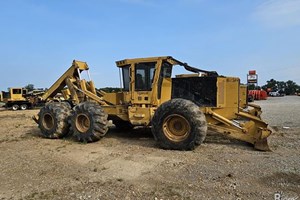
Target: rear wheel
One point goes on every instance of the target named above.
(15, 107)
(88, 122)
(23, 107)
(179, 124)
(53, 120)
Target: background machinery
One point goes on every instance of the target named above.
(178, 109)
(16, 99)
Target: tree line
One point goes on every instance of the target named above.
(30, 87)
(282, 87)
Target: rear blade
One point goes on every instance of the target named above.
(262, 145)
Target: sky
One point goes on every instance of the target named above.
(40, 38)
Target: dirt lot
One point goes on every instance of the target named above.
(130, 165)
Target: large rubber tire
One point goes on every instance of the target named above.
(68, 104)
(15, 107)
(179, 124)
(24, 107)
(53, 120)
(88, 122)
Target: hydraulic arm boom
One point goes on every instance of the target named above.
(73, 73)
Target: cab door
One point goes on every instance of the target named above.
(142, 77)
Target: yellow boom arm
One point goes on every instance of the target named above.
(72, 75)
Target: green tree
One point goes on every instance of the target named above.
(272, 84)
(281, 85)
(110, 89)
(251, 87)
(291, 87)
(29, 87)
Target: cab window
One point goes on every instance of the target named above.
(144, 74)
(166, 72)
(125, 72)
(17, 91)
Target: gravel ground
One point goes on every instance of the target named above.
(281, 111)
(129, 165)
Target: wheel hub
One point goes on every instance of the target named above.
(23, 107)
(176, 128)
(48, 121)
(82, 123)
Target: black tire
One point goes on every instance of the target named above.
(53, 120)
(88, 122)
(123, 125)
(68, 104)
(24, 107)
(15, 107)
(179, 124)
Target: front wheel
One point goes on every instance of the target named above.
(88, 122)
(179, 124)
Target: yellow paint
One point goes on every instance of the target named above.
(138, 107)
